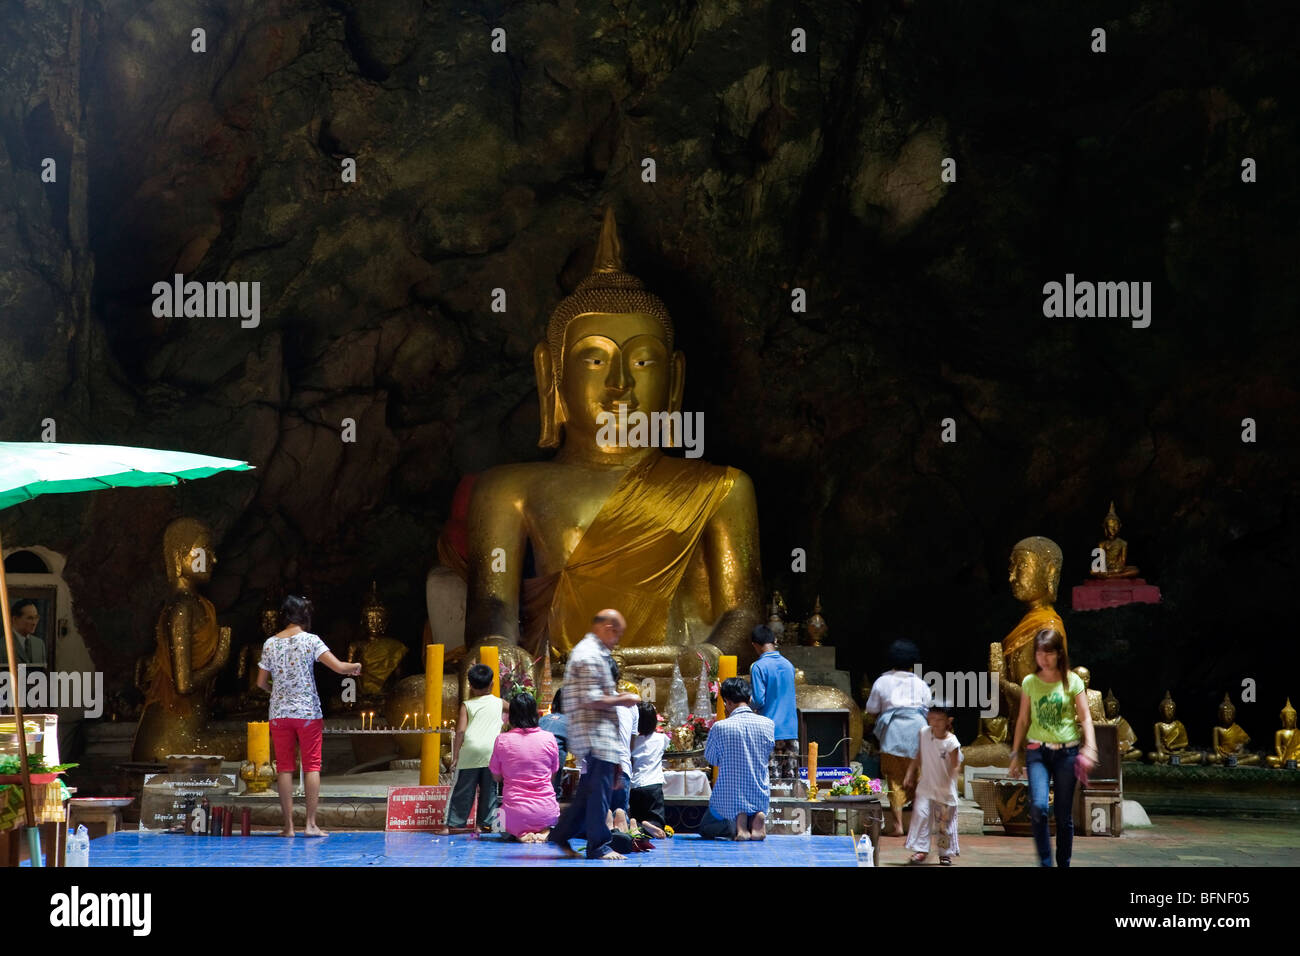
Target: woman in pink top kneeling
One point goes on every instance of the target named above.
(525, 759)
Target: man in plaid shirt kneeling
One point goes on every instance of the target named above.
(740, 747)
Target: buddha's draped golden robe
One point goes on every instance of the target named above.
(1173, 736)
(1290, 750)
(1234, 740)
(162, 689)
(1127, 739)
(632, 557)
(1018, 646)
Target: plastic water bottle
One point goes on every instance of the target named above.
(78, 851)
(866, 853)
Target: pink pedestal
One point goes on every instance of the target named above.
(1095, 595)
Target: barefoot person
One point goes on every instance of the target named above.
(296, 719)
(740, 746)
(901, 699)
(590, 702)
(524, 760)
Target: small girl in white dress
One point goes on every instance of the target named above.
(934, 774)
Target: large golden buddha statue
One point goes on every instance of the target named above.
(671, 542)
(190, 651)
(1229, 740)
(1035, 574)
(1286, 742)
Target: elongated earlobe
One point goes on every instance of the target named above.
(547, 397)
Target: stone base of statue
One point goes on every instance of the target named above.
(1098, 594)
(818, 666)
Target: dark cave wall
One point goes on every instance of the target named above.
(821, 171)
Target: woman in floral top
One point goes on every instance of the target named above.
(296, 718)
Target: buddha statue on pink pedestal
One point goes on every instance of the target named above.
(1113, 582)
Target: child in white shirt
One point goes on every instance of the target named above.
(934, 774)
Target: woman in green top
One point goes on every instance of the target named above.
(1053, 718)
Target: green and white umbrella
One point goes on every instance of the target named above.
(30, 469)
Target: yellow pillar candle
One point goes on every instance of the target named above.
(812, 765)
(726, 669)
(430, 744)
(491, 657)
(259, 742)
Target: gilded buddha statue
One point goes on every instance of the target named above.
(1123, 732)
(190, 651)
(1095, 705)
(1115, 549)
(1171, 737)
(1035, 574)
(1286, 742)
(670, 542)
(1229, 740)
(378, 654)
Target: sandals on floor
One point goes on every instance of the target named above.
(945, 861)
(917, 858)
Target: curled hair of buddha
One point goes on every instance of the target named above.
(178, 540)
(1049, 639)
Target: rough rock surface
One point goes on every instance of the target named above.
(775, 170)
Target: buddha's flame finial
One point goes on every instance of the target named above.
(609, 250)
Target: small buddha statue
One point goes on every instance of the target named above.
(379, 654)
(1095, 706)
(1034, 574)
(1127, 739)
(1171, 737)
(1115, 550)
(1286, 742)
(671, 542)
(190, 650)
(1229, 740)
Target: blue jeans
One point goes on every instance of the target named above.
(1057, 768)
(590, 804)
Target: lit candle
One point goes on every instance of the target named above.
(405, 718)
(812, 765)
(491, 657)
(430, 744)
(726, 669)
(259, 743)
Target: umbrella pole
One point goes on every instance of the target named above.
(29, 806)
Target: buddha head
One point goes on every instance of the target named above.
(1227, 713)
(1111, 703)
(608, 344)
(187, 549)
(1288, 716)
(1167, 708)
(269, 615)
(374, 616)
(1085, 675)
(1111, 523)
(1035, 570)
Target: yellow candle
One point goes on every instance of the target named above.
(726, 669)
(812, 765)
(491, 657)
(430, 744)
(405, 718)
(259, 742)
